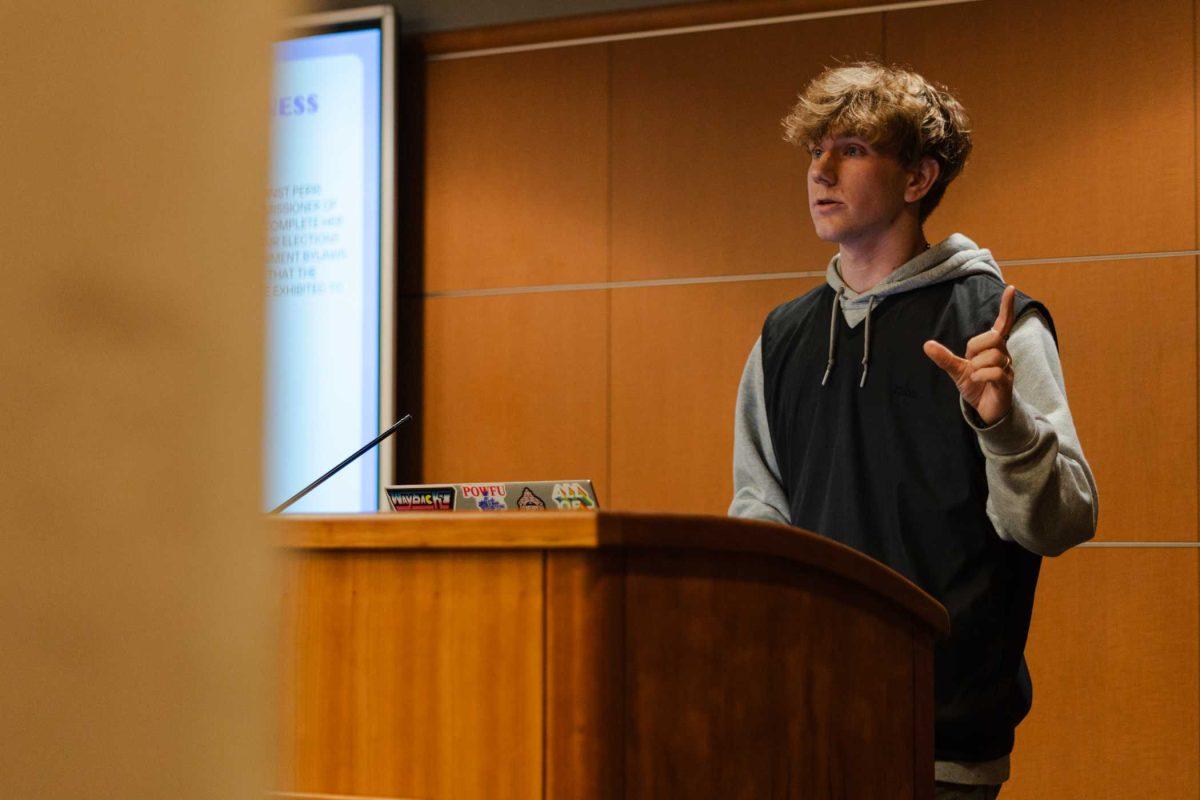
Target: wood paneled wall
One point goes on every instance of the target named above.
(606, 225)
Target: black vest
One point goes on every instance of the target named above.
(892, 470)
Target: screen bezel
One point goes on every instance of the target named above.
(383, 19)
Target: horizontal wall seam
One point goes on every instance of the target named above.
(713, 26)
(319, 796)
(763, 276)
(1018, 262)
(639, 284)
(1142, 544)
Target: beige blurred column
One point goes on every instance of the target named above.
(136, 589)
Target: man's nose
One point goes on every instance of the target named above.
(823, 170)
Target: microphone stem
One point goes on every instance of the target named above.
(286, 503)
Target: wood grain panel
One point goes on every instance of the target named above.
(458, 531)
(702, 181)
(370, 716)
(702, 633)
(1083, 122)
(517, 169)
(1113, 654)
(1127, 337)
(585, 658)
(924, 704)
(678, 354)
(516, 388)
(581, 530)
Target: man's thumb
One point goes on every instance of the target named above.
(942, 356)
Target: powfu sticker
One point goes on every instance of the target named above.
(487, 496)
(571, 496)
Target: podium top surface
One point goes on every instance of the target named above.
(596, 530)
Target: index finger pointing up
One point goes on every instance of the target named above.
(1004, 320)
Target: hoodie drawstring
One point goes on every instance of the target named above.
(866, 359)
(866, 344)
(837, 302)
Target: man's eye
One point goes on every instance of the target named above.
(854, 149)
(815, 152)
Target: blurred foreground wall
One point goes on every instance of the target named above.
(136, 590)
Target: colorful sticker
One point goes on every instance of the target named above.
(426, 498)
(487, 496)
(490, 502)
(528, 501)
(572, 496)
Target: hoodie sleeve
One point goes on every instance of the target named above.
(757, 489)
(1041, 493)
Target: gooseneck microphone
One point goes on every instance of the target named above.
(282, 506)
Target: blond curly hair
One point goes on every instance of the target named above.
(895, 110)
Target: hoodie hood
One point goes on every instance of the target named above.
(954, 257)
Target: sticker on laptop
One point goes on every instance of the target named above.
(421, 498)
(571, 496)
(486, 496)
(528, 501)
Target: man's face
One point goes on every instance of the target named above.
(855, 193)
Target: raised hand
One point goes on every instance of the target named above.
(985, 376)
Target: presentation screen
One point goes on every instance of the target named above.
(329, 262)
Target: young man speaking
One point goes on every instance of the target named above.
(913, 406)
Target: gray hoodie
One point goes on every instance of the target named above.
(1041, 493)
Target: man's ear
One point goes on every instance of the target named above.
(921, 179)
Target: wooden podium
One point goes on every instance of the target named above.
(582, 655)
